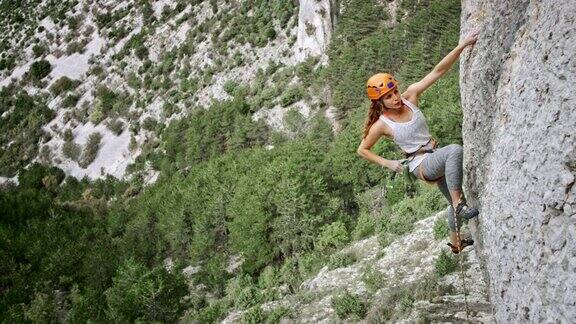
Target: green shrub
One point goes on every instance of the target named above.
(247, 297)
(238, 59)
(310, 28)
(341, 260)
(133, 80)
(133, 144)
(35, 176)
(68, 136)
(386, 238)
(70, 101)
(440, 229)
(141, 53)
(43, 309)
(397, 223)
(75, 22)
(400, 218)
(97, 70)
(212, 313)
(395, 190)
(272, 67)
(96, 116)
(139, 294)
(406, 303)
(20, 130)
(289, 273)
(393, 224)
(91, 149)
(213, 273)
(364, 226)
(332, 236)
(75, 47)
(38, 50)
(276, 315)
(271, 33)
(305, 70)
(107, 98)
(268, 278)
(372, 278)
(347, 304)
(63, 84)
(294, 121)
(40, 69)
(445, 264)
(71, 150)
(116, 126)
(310, 263)
(428, 201)
(168, 109)
(7, 63)
(242, 292)
(293, 94)
(265, 98)
(254, 315)
(230, 86)
(149, 124)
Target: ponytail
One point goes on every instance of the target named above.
(373, 114)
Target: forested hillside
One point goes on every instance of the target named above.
(241, 213)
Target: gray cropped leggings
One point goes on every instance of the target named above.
(445, 162)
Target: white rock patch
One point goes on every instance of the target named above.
(113, 156)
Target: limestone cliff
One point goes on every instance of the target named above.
(520, 153)
(314, 28)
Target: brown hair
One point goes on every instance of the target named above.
(375, 110)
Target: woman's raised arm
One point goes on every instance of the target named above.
(414, 90)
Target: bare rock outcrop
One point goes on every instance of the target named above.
(517, 89)
(314, 28)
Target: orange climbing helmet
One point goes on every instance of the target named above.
(380, 84)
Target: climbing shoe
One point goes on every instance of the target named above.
(463, 243)
(465, 212)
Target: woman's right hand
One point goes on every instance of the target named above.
(471, 38)
(395, 165)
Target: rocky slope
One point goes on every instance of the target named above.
(135, 63)
(404, 270)
(520, 153)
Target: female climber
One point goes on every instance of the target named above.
(397, 116)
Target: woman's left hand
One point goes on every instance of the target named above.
(471, 38)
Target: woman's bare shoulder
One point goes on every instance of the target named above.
(381, 129)
(411, 98)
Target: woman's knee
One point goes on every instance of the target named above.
(455, 149)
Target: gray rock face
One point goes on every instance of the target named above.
(517, 89)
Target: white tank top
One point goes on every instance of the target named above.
(411, 135)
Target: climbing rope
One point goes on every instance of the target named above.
(461, 262)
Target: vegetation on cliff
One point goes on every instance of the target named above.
(79, 250)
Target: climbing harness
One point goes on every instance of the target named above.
(409, 177)
(423, 148)
(429, 147)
